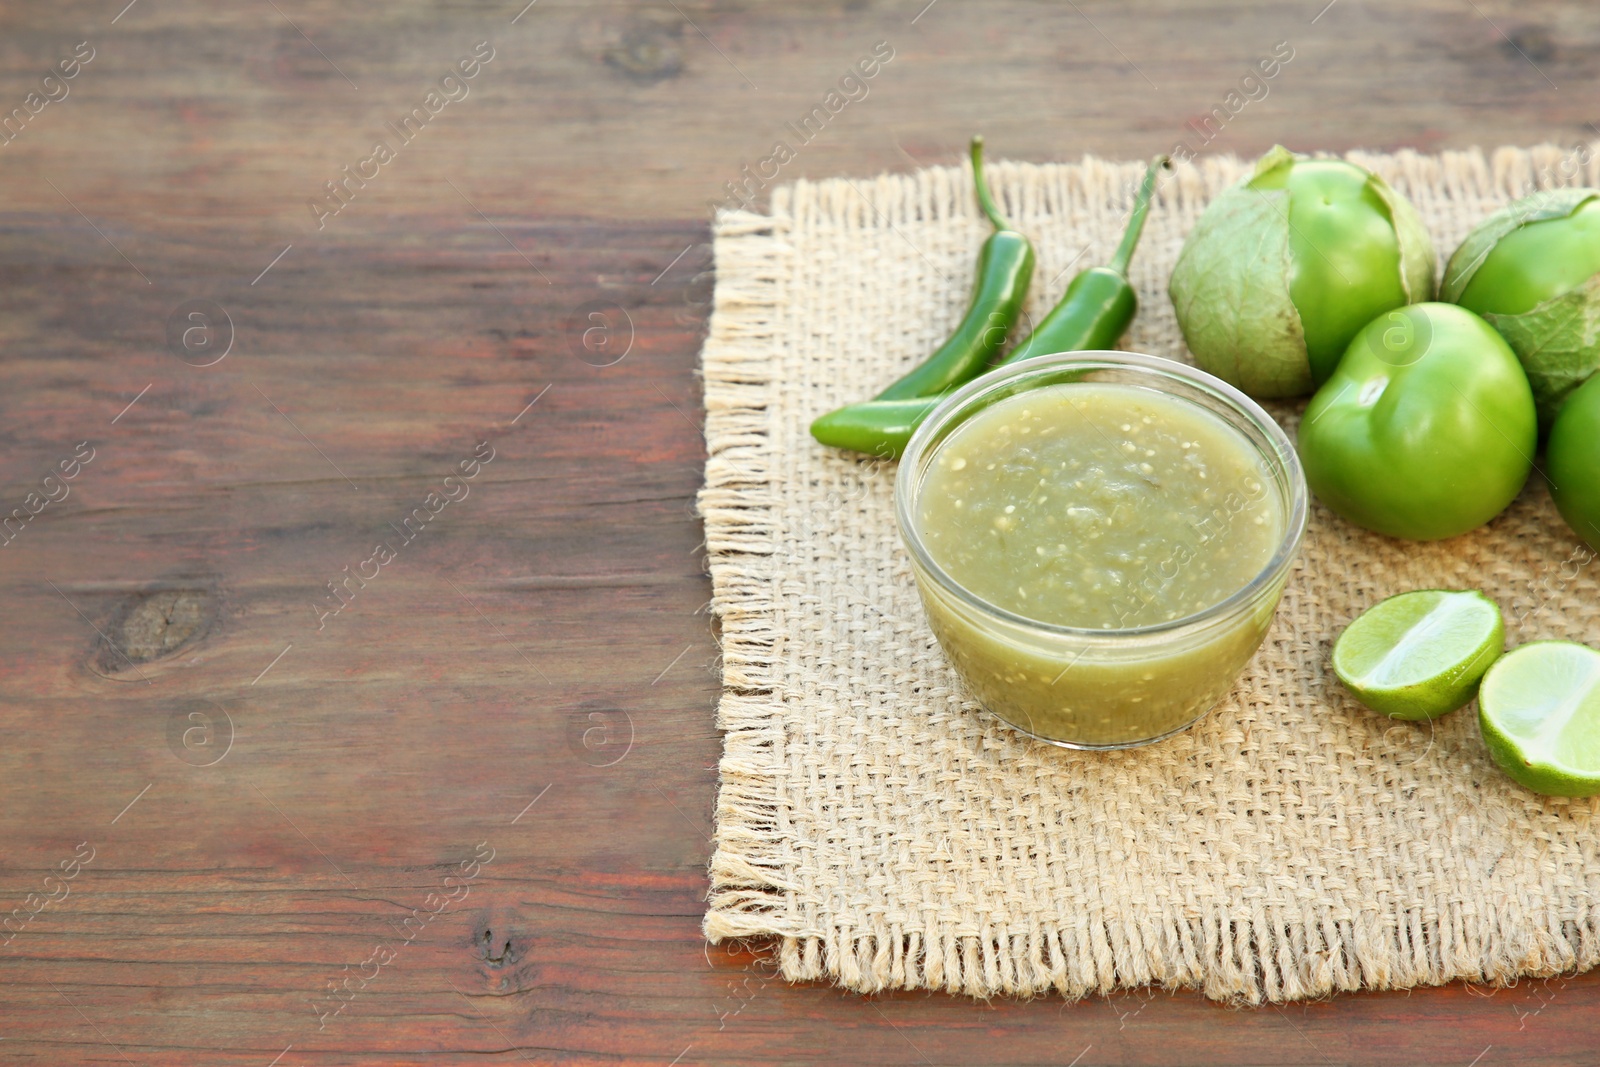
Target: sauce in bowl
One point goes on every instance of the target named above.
(1100, 541)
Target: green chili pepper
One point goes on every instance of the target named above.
(1093, 314)
(879, 427)
(1005, 266)
(1099, 303)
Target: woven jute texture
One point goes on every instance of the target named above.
(891, 834)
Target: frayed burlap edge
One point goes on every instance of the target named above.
(736, 504)
(1268, 958)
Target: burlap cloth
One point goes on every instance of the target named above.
(893, 835)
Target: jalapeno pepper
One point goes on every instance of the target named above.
(881, 428)
(1099, 303)
(1005, 267)
(1093, 314)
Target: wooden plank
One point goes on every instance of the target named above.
(645, 111)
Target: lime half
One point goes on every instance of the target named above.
(1420, 655)
(1540, 715)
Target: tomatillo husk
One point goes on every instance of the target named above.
(1285, 268)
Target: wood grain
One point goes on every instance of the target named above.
(544, 641)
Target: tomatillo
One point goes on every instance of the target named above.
(1572, 459)
(1426, 429)
(1532, 269)
(1283, 270)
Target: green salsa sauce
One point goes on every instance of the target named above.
(1101, 507)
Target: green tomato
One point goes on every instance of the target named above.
(1426, 429)
(1283, 269)
(1532, 270)
(1344, 254)
(1572, 457)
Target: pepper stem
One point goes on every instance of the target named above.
(1141, 208)
(985, 200)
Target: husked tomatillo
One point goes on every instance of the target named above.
(1426, 430)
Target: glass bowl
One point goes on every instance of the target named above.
(1102, 688)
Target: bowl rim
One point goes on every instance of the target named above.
(1268, 433)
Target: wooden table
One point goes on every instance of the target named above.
(464, 817)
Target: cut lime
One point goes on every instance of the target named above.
(1540, 716)
(1420, 655)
